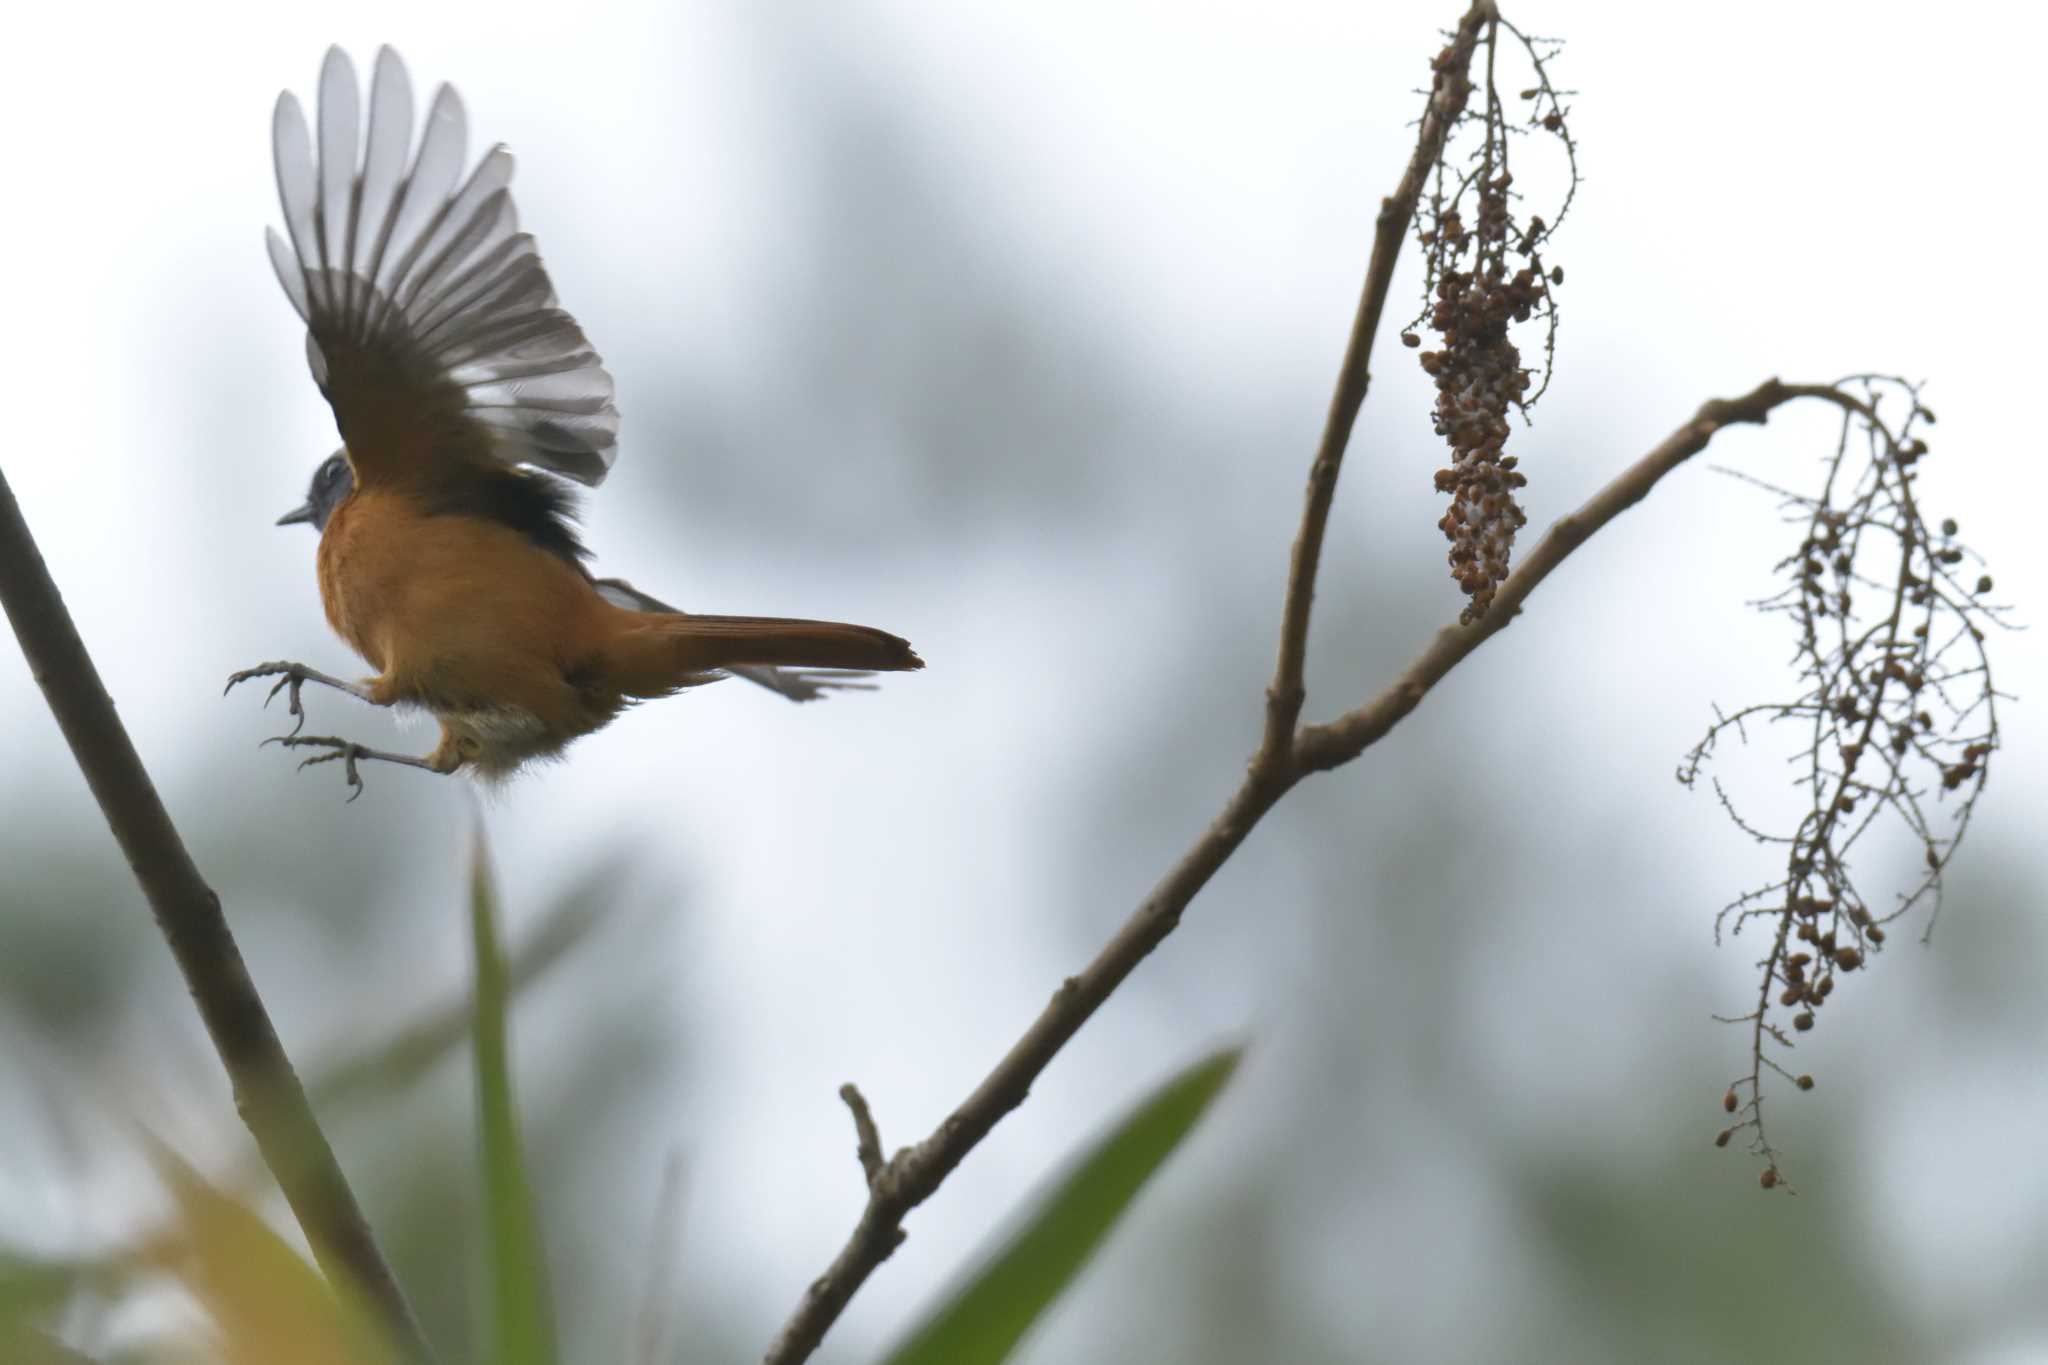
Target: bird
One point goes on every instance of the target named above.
(469, 403)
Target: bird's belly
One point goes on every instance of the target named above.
(497, 740)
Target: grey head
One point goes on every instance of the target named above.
(332, 482)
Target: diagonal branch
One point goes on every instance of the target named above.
(267, 1092)
(1447, 96)
(1321, 747)
(914, 1173)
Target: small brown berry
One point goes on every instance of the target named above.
(1721, 1138)
(1728, 1100)
(1802, 1021)
(1410, 340)
(1848, 959)
(1769, 1179)
(1874, 933)
(1804, 1082)
(1984, 583)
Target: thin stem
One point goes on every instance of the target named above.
(267, 1091)
(916, 1172)
(1447, 98)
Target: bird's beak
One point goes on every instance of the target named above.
(303, 512)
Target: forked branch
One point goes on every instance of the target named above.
(1288, 751)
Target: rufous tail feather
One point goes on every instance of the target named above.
(654, 654)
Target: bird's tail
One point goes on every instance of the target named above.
(655, 654)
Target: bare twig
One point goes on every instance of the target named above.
(1895, 725)
(1320, 747)
(910, 1177)
(1288, 750)
(267, 1091)
(1447, 96)
(867, 1137)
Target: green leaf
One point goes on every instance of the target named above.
(522, 1328)
(982, 1322)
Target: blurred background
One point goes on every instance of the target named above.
(1010, 327)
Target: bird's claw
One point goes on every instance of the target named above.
(293, 677)
(347, 750)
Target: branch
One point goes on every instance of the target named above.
(1321, 747)
(909, 1178)
(914, 1173)
(267, 1092)
(1446, 103)
(868, 1138)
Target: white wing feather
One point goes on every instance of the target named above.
(395, 261)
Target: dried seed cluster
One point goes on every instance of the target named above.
(1478, 375)
(1483, 276)
(1900, 715)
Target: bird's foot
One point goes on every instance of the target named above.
(349, 753)
(294, 677)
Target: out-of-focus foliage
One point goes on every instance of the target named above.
(520, 1308)
(262, 1302)
(983, 1321)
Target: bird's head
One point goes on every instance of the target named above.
(332, 482)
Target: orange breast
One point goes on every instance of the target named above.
(466, 617)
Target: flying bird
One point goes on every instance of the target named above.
(468, 403)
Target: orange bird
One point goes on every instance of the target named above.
(465, 396)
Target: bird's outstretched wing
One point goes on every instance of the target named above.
(798, 684)
(431, 326)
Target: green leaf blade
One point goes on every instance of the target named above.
(983, 1321)
(522, 1317)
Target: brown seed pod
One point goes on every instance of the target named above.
(1769, 1179)
(1804, 1082)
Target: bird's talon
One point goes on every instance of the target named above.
(347, 751)
(276, 688)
